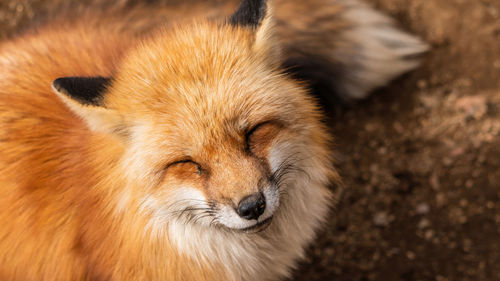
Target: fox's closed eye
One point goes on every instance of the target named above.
(186, 166)
(260, 137)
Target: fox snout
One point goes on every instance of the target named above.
(252, 207)
(244, 193)
(253, 212)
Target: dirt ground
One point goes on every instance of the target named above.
(420, 158)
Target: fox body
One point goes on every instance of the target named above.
(181, 153)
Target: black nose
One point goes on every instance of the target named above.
(252, 206)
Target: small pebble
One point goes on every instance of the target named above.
(429, 234)
(410, 255)
(423, 208)
(381, 219)
(424, 223)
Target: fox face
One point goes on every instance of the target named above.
(211, 127)
(195, 155)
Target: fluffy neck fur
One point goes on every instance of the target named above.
(268, 255)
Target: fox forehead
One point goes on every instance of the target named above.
(197, 64)
(208, 80)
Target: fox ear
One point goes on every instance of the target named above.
(258, 15)
(84, 90)
(250, 13)
(84, 96)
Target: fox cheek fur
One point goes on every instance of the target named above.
(188, 154)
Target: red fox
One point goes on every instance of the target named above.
(173, 142)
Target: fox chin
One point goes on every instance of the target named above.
(183, 151)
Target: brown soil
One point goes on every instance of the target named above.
(420, 159)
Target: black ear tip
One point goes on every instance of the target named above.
(86, 90)
(58, 84)
(250, 13)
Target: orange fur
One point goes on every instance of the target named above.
(60, 182)
(196, 109)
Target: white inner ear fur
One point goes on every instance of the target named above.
(98, 119)
(265, 41)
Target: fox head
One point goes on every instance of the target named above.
(212, 127)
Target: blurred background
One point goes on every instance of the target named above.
(420, 158)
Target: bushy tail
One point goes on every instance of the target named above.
(382, 51)
(350, 48)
